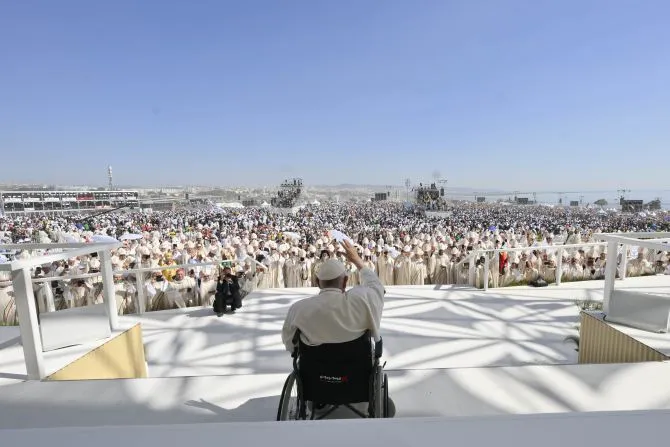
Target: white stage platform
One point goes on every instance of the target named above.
(440, 345)
(416, 393)
(596, 429)
(423, 327)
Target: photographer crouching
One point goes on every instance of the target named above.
(227, 292)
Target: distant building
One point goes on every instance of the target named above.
(25, 202)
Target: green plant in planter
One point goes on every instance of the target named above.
(589, 304)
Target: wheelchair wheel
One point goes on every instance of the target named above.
(386, 396)
(290, 403)
(380, 403)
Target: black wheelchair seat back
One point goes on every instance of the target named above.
(336, 373)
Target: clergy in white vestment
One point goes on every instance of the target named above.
(454, 270)
(494, 267)
(548, 271)
(305, 272)
(81, 294)
(156, 293)
(403, 267)
(640, 266)
(44, 296)
(182, 290)
(276, 268)
(575, 270)
(442, 271)
(513, 274)
(207, 286)
(419, 270)
(352, 274)
(531, 273)
(125, 303)
(263, 274)
(385, 268)
(367, 260)
(431, 264)
(292, 270)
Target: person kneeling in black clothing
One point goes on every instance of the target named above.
(227, 292)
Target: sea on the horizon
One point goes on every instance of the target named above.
(585, 197)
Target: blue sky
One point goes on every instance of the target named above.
(518, 94)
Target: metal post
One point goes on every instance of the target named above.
(610, 273)
(49, 293)
(31, 338)
(108, 295)
(141, 297)
(486, 272)
(624, 262)
(559, 266)
(472, 270)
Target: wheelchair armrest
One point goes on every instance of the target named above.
(378, 348)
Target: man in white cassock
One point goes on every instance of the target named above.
(336, 315)
(324, 256)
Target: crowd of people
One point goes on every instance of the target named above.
(184, 252)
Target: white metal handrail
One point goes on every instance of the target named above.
(140, 278)
(559, 259)
(544, 247)
(614, 240)
(25, 302)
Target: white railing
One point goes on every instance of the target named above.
(140, 279)
(25, 300)
(626, 239)
(489, 253)
(471, 259)
(613, 241)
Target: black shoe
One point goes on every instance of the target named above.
(219, 314)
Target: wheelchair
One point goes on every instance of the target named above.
(334, 375)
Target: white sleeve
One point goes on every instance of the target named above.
(374, 295)
(370, 279)
(288, 330)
